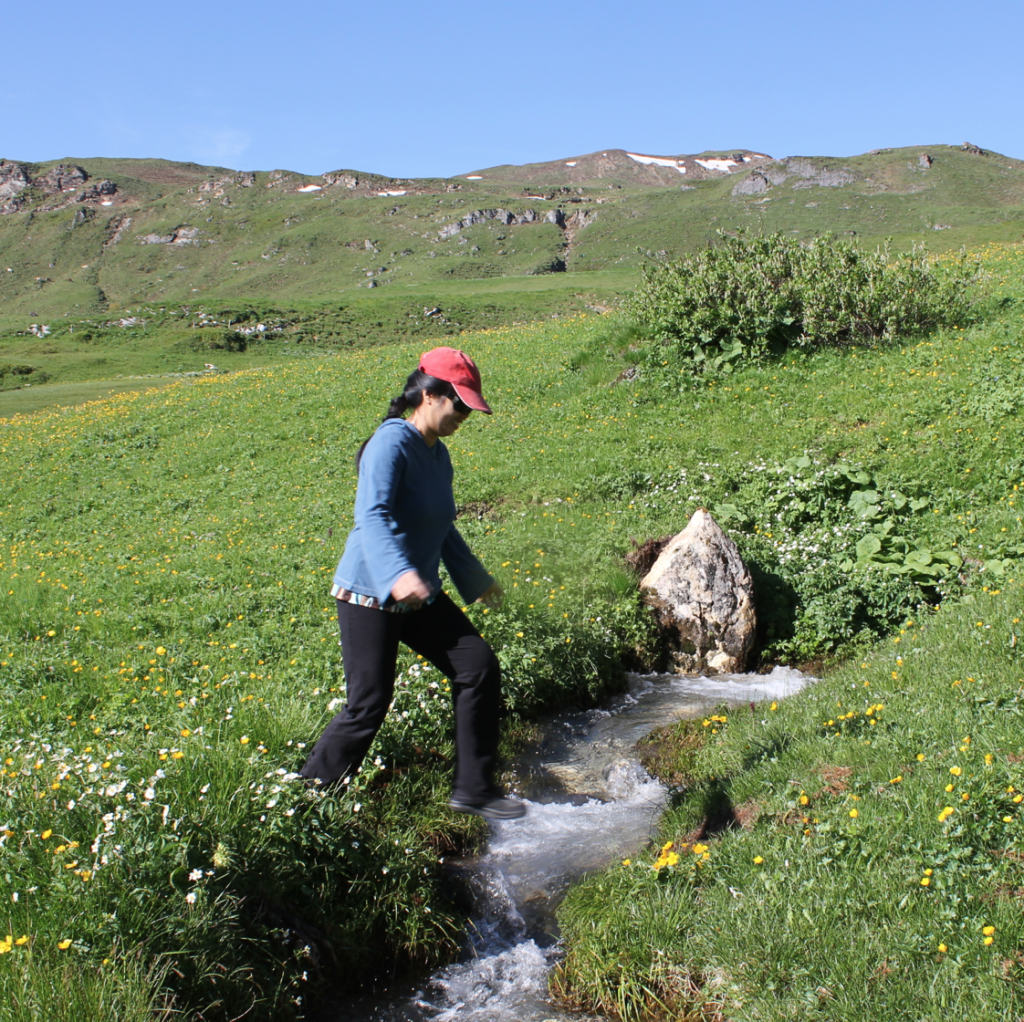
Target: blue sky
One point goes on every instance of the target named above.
(424, 89)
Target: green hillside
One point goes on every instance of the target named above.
(118, 268)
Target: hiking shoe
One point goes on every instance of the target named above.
(491, 809)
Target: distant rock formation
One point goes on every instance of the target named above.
(809, 175)
(754, 184)
(14, 179)
(179, 236)
(97, 191)
(703, 597)
(62, 178)
(216, 186)
(924, 160)
(974, 150)
(341, 177)
(503, 216)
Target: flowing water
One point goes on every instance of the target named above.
(590, 802)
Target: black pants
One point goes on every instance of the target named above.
(443, 635)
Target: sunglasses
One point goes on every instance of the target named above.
(458, 404)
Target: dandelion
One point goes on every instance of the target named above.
(758, 859)
(854, 814)
(943, 949)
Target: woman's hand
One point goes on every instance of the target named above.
(492, 596)
(410, 589)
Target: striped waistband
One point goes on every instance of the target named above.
(371, 602)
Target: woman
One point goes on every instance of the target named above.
(388, 589)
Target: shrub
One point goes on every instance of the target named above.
(755, 295)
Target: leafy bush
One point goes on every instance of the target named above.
(754, 295)
(837, 556)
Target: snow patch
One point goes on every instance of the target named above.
(475, 177)
(309, 188)
(570, 163)
(722, 165)
(658, 161)
(107, 202)
(402, 192)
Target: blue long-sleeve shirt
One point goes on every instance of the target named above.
(405, 519)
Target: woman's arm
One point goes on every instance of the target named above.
(469, 575)
(384, 555)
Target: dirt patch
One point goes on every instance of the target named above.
(643, 555)
(478, 509)
(835, 780)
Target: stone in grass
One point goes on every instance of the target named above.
(703, 596)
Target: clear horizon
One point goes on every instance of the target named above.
(452, 89)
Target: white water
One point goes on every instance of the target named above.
(589, 803)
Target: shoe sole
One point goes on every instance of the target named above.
(487, 813)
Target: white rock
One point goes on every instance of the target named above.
(704, 598)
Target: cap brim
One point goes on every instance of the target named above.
(473, 399)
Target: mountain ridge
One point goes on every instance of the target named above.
(90, 236)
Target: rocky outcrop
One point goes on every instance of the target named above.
(703, 597)
(924, 160)
(243, 179)
(508, 218)
(100, 190)
(116, 226)
(580, 219)
(14, 179)
(341, 177)
(62, 178)
(754, 184)
(809, 175)
(179, 236)
(814, 176)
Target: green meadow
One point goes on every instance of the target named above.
(168, 651)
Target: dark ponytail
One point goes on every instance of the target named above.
(418, 384)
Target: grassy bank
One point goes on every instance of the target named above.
(167, 646)
(853, 853)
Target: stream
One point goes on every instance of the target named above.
(590, 803)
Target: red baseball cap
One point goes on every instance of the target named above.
(458, 369)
